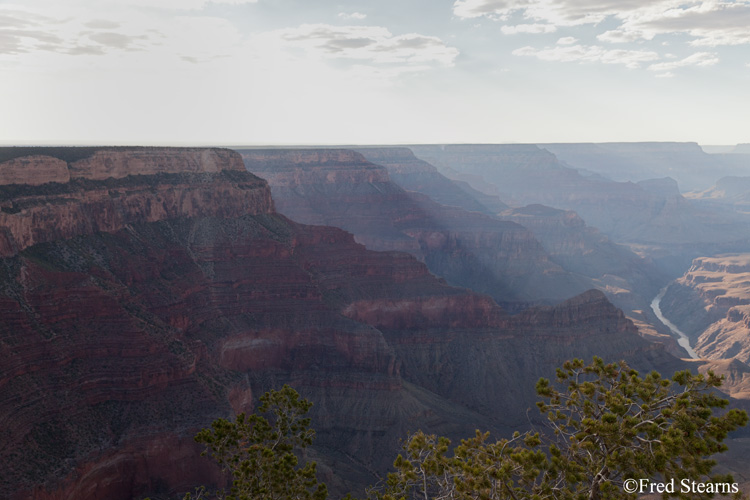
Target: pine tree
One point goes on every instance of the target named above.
(261, 451)
(608, 426)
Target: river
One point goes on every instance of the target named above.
(682, 339)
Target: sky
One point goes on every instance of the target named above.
(239, 72)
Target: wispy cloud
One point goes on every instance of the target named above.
(82, 32)
(373, 44)
(698, 59)
(529, 28)
(711, 23)
(589, 54)
(558, 12)
(173, 4)
(353, 15)
(22, 32)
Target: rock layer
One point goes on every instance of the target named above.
(651, 217)
(711, 304)
(117, 345)
(341, 188)
(417, 175)
(185, 183)
(628, 280)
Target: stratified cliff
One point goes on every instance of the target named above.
(417, 175)
(341, 188)
(733, 191)
(663, 224)
(628, 280)
(635, 161)
(119, 339)
(67, 201)
(711, 304)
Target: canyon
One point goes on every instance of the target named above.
(537, 254)
(471, 249)
(651, 216)
(686, 162)
(139, 306)
(711, 304)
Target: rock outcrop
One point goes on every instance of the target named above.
(711, 304)
(118, 343)
(628, 280)
(186, 183)
(733, 191)
(341, 188)
(466, 248)
(34, 170)
(417, 175)
(656, 221)
(686, 162)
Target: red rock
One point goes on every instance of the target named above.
(117, 345)
(340, 188)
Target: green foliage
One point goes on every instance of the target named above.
(612, 425)
(260, 452)
(608, 425)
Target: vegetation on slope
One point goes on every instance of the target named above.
(613, 435)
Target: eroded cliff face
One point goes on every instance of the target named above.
(658, 222)
(40, 165)
(149, 161)
(34, 170)
(100, 193)
(463, 365)
(117, 345)
(417, 175)
(711, 304)
(628, 280)
(341, 188)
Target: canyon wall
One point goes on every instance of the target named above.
(635, 161)
(654, 221)
(711, 304)
(341, 188)
(466, 248)
(417, 175)
(64, 200)
(629, 280)
(117, 343)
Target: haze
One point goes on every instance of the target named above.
(293, 71)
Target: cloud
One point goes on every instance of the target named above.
(567, 40)
(558, 12)
(711, 23)
(701, 59)
(589, 54)
(22, 32)
(102, 24)
(354, 15)
(173, 4)
(529, 28)
(116, 40)
(495, 9)
(373, 44)
(86, 50)
(622, 36)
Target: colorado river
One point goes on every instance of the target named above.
(682, 339)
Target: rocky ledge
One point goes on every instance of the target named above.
(117, 345)
(112, 188)
(711, 304)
